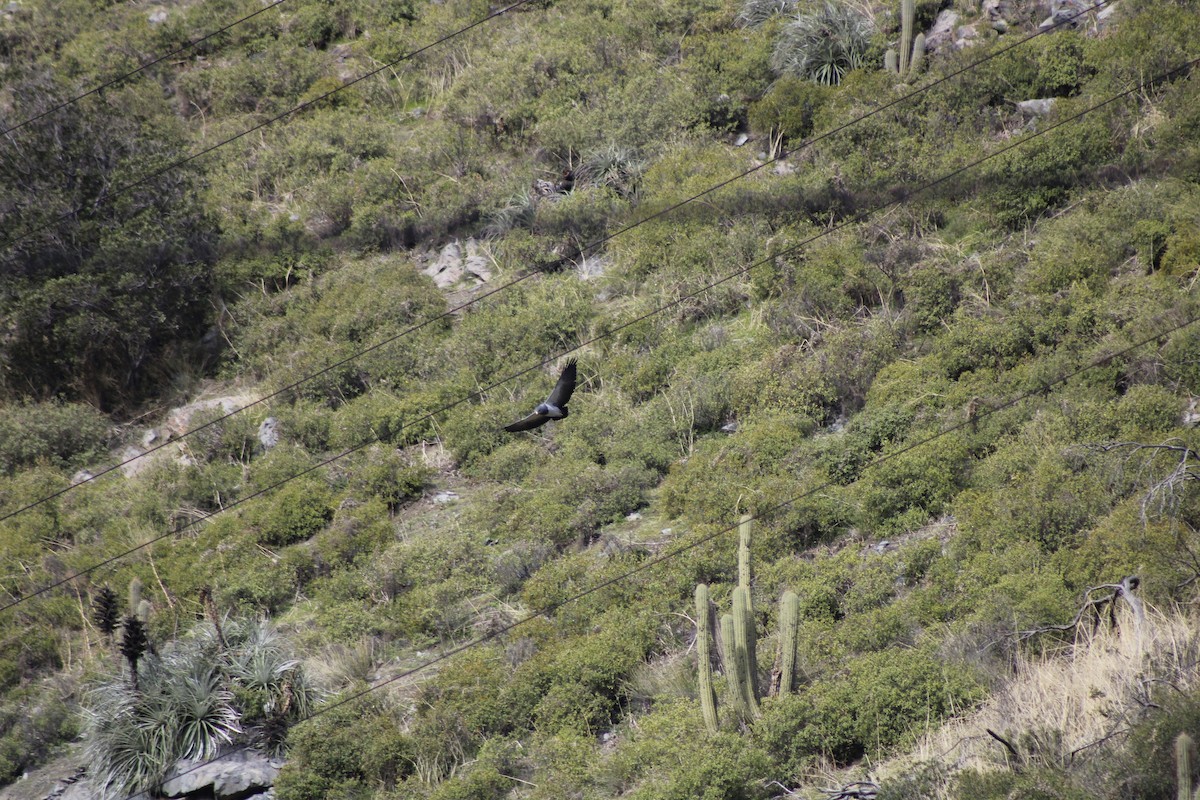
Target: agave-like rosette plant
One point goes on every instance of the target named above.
(824, 44)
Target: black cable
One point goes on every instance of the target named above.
(681, 550)
(480, 392)
(147, 65)
(552, 265)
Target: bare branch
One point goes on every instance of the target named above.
(1163, 495)
(1007, 744)
(1097, 606)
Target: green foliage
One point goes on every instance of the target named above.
(33, 721)
(1023, 186)
(390, 477)
(874, 707)
(102, 303)
(345, 752)
(297, 512)
(64, 435)
(789, 109)
(839, 353)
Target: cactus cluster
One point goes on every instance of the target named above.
(912, 51)
(739, 643)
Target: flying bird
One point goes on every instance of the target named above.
(555, 406)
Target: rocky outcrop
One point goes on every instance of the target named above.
(941, 35)
(177, 422)
(1036, 108)
(268, 433)
(460, 263)
(239, 775)
(1063, 10)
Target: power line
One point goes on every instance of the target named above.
(145, 66)
(554, 264)
(686, 548)
(120, 190)
(608, 333)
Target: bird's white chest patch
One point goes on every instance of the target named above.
(549, 410)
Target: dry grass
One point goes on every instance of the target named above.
(1066, 707)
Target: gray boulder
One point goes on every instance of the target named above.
(268, 433)
(997, 11)
(941, 35)
(1063, 10)
(238, 775)
(1037, 108)
(460, 262)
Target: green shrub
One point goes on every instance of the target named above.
(787, 112)
(99, 306)
(63, 435)
(882, 699)
(1024, 184)
(33, 724)
(390, 477)
(297, 512)
(480, 783)
(345, 752)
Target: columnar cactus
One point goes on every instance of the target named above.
(745, 529)
(912, 51)
(135, 595)
(733, 665)
(708, 696)
(744, 645)
(789, 622)
(1183, 767)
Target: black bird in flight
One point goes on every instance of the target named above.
(555, 406)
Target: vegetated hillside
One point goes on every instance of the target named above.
(952, 411)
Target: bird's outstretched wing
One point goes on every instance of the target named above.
(565, 386)
(534, 420)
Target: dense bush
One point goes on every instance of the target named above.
(876, 706)
(61, 434)
(102, 303)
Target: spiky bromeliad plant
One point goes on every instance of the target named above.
(824, 44)
(180, 709)
(203, 693)
(755, 12)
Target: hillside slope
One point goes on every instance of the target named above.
(944, 357)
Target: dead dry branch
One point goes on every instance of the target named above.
(1097, 609)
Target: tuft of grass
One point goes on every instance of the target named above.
(1060, 710)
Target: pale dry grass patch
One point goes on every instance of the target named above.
(1063, 707)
